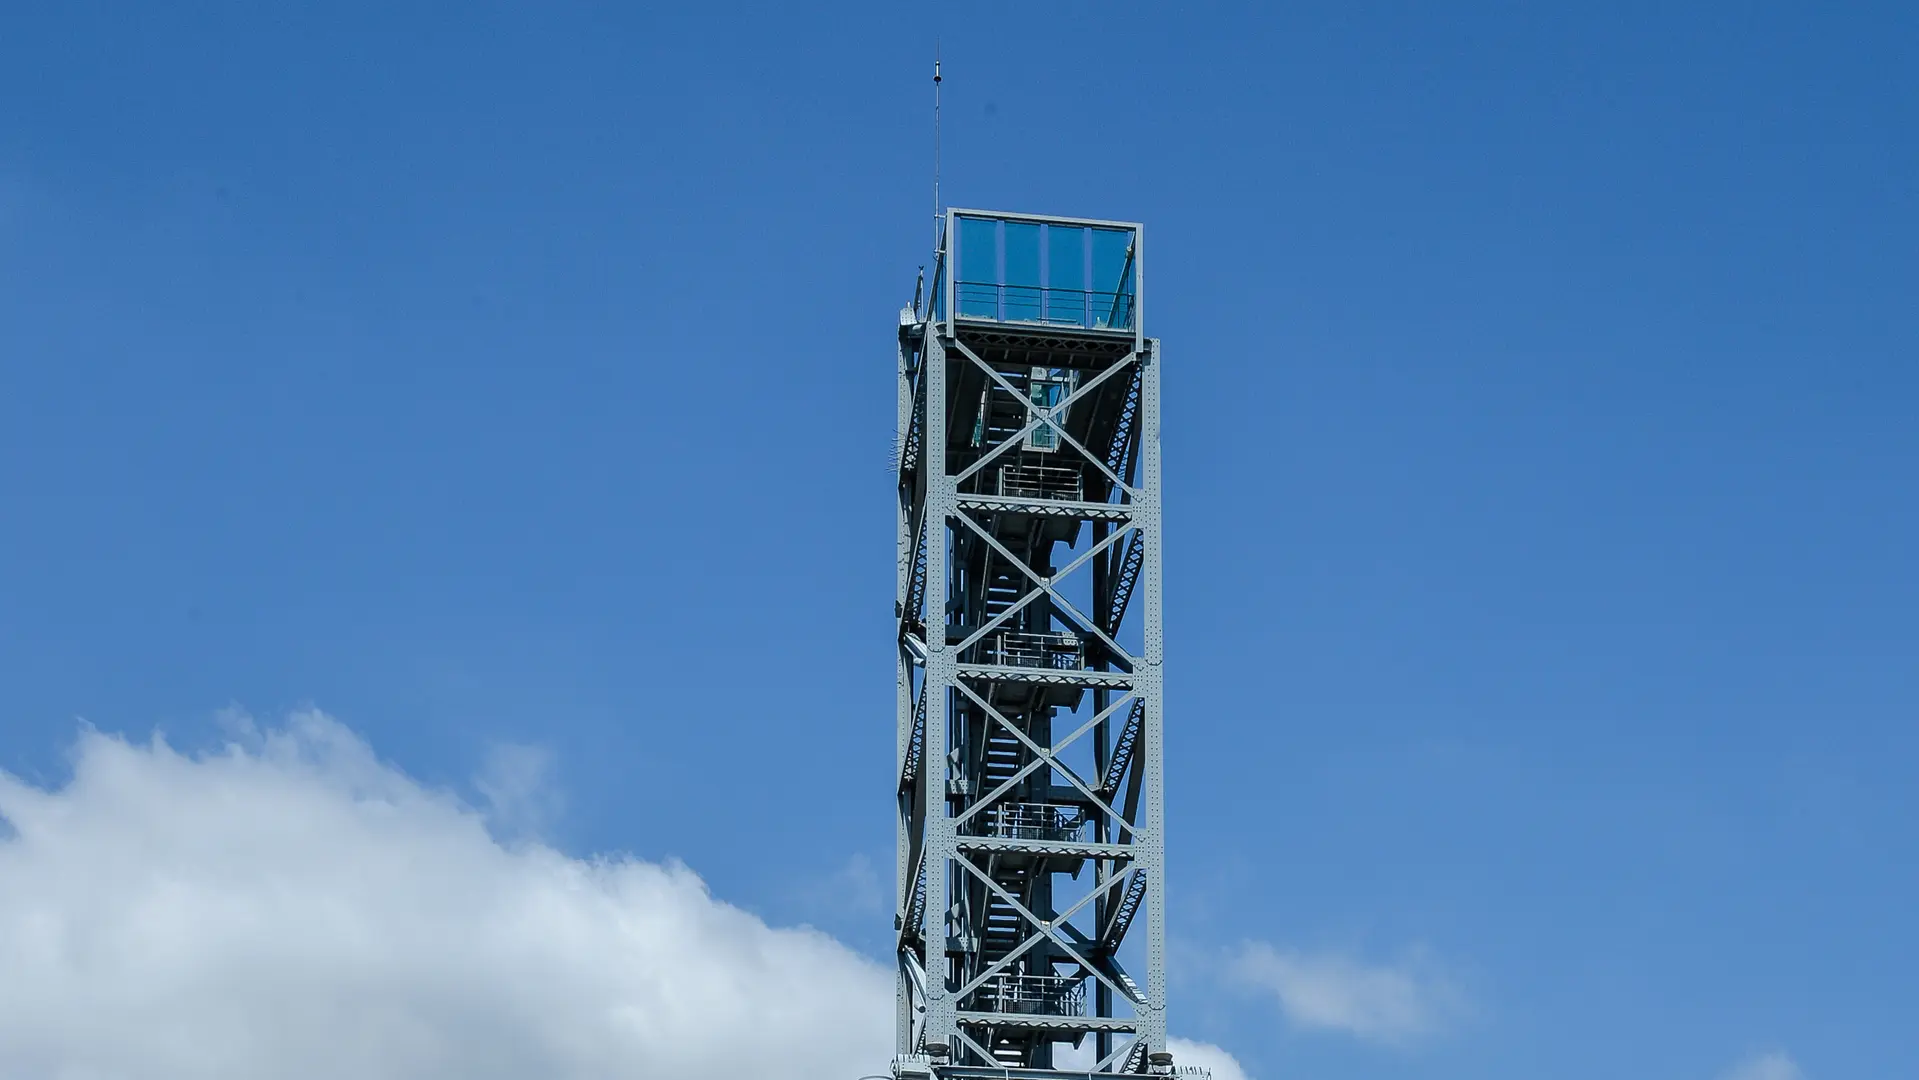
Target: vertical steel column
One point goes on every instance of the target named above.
(937, 843)
(1152, 844)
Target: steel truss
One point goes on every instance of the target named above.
(1029, 687)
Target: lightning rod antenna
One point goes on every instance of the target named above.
(936, 148)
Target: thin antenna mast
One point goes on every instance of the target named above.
(936, 148)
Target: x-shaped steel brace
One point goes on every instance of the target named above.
(1046, 586)
(1046, 929)
(1042, 755)
(1046, 415)
(1042, 758)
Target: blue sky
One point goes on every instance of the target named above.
(1539, 433)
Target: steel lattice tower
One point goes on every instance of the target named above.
(1029, 717)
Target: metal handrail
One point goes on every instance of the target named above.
(1059, 482)
(1035, 995)
(1093, 309)
(1027, 648)
(1033, 821)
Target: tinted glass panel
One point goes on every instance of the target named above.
(1022, 253)
(979, 266)
(1112, 278)
(1065, 257)
(1065, 275)
(1020, 300)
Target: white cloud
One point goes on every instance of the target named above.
(1769, 1066)
(292, 907)
(301, 910)
(1223, 1065)
(1336, 993)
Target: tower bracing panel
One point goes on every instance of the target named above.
(1030, 894)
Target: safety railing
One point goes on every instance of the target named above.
(1032, 821)
(1060, 482)
(1041, 995)
(1041, 304)
(1026, 648)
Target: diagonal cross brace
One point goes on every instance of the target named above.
(994, 623)
(1046, 586)
(1047, 929)
(1034, 594)
(1032, 766)
(1048, 412)
(1113, 1058)
(985, 1054)
(1045, 417)
(1041, 754)
(1042, 416)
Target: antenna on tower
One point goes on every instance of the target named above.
(936, 147)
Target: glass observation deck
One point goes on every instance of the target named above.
(1018, 268)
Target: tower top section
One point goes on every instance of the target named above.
(1039, 272)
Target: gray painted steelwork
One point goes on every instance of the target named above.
(1030, 875)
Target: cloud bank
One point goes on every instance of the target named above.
(291, 907)
(298, 909)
